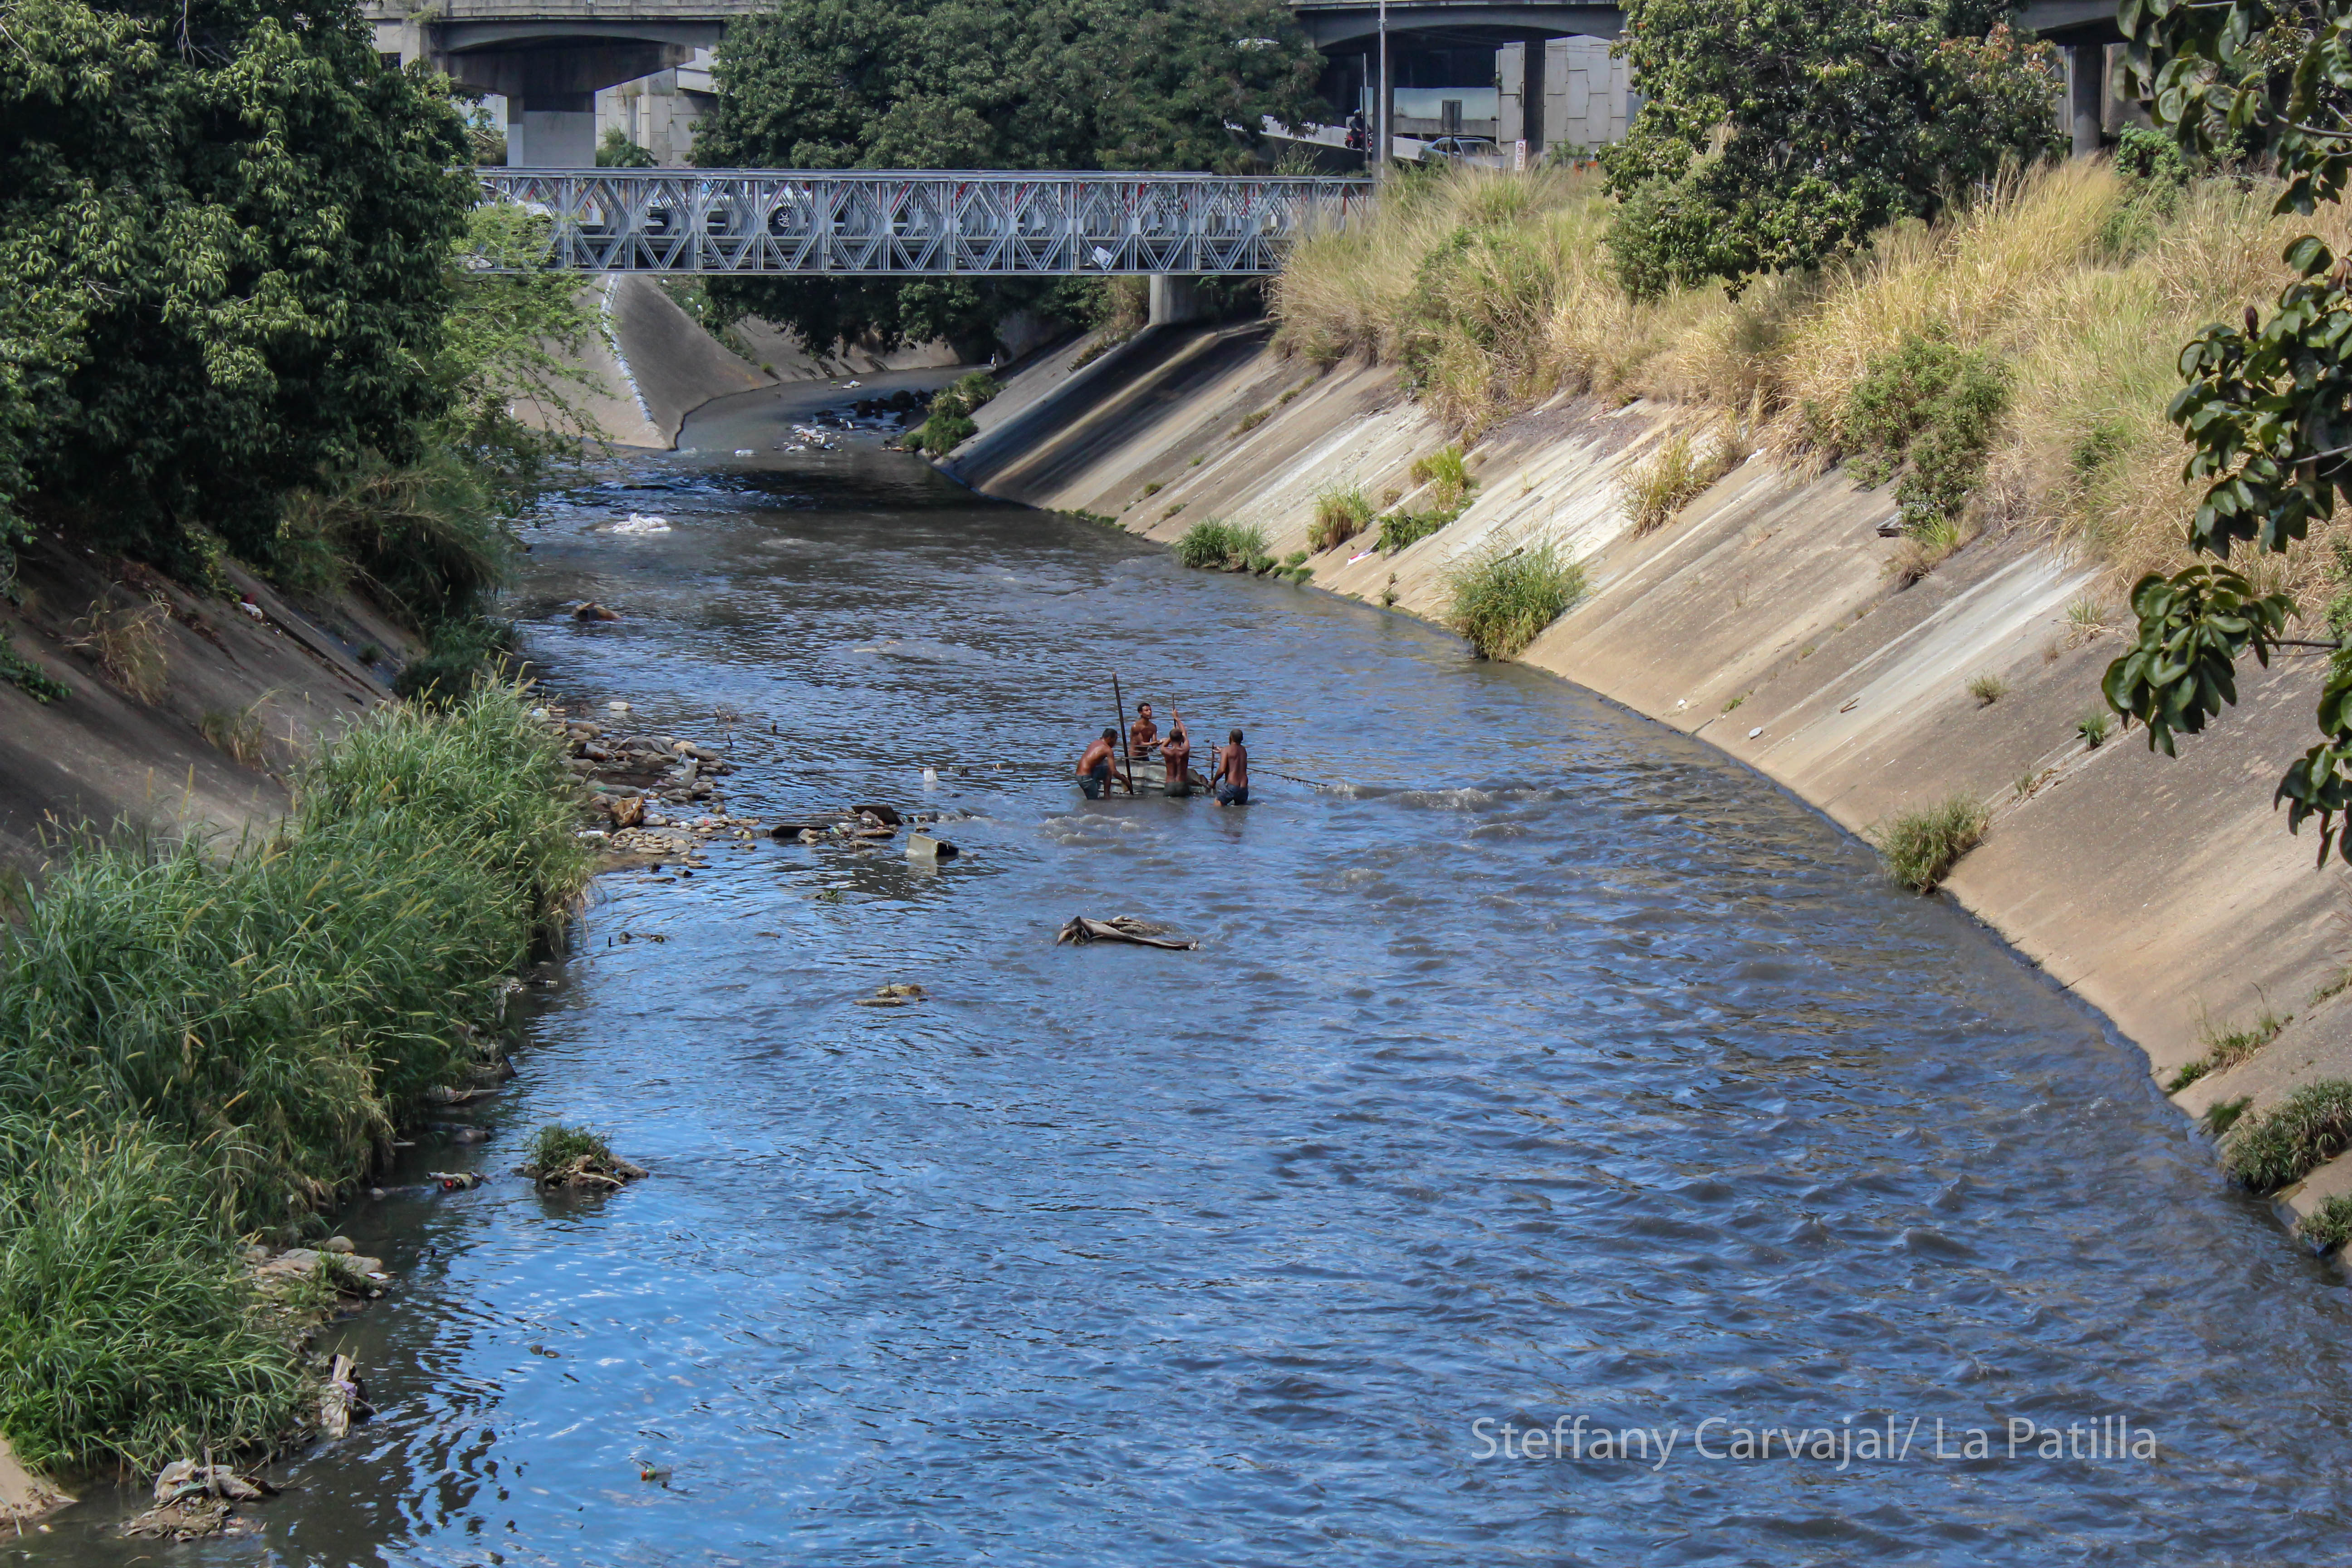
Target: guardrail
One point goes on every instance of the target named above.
(922, 224)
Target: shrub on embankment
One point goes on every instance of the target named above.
(1503, 603)
(207, 1043)
(2071, 287)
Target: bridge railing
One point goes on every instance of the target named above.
(928, 223)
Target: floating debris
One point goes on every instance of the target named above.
(639, 522)
(1084, 928)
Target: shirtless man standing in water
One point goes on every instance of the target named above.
(1094, 768)
(1143, 735)
(1176, 755)
(1231, 777)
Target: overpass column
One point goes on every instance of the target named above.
(1385, 139)
(1533, 85)
(2086, 91)
(558, 131)
(1174, 298)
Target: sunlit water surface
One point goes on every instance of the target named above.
(1538, 1063)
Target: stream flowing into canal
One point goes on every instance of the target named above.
(1538, 1067)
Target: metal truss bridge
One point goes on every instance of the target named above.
(927, 224)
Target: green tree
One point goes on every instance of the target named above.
(617, 152)
(2267, 404)
(226, 226)
(989, 84)
(1776, 134)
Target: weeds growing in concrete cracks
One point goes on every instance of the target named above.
(2226, 1048)
(2294, 1137)
(1676, 472)
(1919, 848)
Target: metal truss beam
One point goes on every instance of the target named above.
(811, 223)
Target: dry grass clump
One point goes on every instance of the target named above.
(1675, 473)
(127, 643)
(235, 731)
(1492, 291)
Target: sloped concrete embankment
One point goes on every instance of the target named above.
(650, 364)
(239, 688)
(1764, 618)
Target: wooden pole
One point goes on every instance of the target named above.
(1118, 702)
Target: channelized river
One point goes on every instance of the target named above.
(1539, 1069)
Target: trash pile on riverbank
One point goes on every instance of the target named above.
(630, 777)
(211, 1045)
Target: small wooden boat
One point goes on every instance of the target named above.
(1150, 777)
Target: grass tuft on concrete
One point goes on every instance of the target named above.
(2226, 1048)
(1503, 603)
(1340, 514)
(1919, 848)
(2329, 1225)
(2295, 1137)
(1214, 544)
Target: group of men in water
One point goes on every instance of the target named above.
(1229, 783)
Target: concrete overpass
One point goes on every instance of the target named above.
(549, 58)
(2082, 28)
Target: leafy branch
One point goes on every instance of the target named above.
(2266, 405)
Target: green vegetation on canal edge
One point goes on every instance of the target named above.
(209, 1045)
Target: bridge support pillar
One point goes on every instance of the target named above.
(1533, 86)
(1175, 300)
(2086, 94)
(551, 132)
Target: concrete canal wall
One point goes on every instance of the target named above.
(1763, 618)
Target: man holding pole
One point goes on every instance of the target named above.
(1176, 756)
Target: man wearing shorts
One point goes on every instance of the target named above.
(1094, 768)
(1231, 777)
(1176, 755)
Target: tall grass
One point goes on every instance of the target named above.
(1503, 603)
(205, 1044)
(2074, 286)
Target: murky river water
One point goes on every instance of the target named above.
(1537, 1064)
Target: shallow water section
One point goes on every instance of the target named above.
(1538, 1069)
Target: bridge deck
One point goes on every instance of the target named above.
(927, 223)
